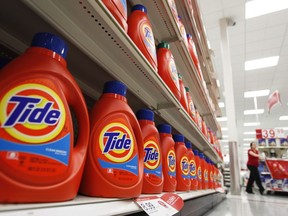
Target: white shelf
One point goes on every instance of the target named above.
(272, 147)
(89, 26)
(83, 205)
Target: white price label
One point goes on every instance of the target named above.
(269, 133)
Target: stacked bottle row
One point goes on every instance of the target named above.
(114, 153)
(160, 57)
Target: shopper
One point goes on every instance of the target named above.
(252, 164)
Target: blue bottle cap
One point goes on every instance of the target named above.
(201, 155)
(51, 42)
(164, 128)
(178, 138)
(189, 36)
(115, 87)
(196, 153)
(188, 145)
(139, 7)
(145, 114)
(4, 61)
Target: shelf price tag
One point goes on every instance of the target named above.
(167, 205)
(269, 133)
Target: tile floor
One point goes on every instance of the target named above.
(252, 205)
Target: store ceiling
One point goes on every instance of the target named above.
(249, 39)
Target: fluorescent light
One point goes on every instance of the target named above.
(208, 42)
(261, 63)
(283, 128)
(224, 129)
(249, 139)
(261, 7)
(251, 123)
(224, 141)
(221, 119)
(283, 118)
(246, 144)
(224, 136)
(218, 83)
(221, 104)
(249, 132)
(251, 112)
(259, 93)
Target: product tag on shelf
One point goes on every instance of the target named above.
(167, 205)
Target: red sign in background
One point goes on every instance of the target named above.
(278, 168)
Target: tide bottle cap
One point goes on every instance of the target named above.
(195, 152)
(164, 128)
(187, 89)
(145, 114)
(189, 36)
(139, 7)
(188, 145)
(163, 45)
(178, 138)
(51, 42)
(115, 87)
(201, 155)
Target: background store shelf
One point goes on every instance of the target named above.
(83, 205)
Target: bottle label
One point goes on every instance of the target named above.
(171, 161)
(199, 173)
(148, 39)
(205, 175)
(117, 150)
(124, 4)
(32, 116)
(152, 161)
(173, 72)
(183, 33)
(211, 176)
(192, 166)
(173, 8)
(184, 164)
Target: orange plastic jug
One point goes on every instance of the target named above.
(203, 167)
(114, 166)
(140, 31)
(118, 9)
(182, 164)
(182, 31)
(167, 69)
(198, 169)
(40, 161)
(153, 177)
(168, 157)
(210, 183)
(173, 9)
(191, 107)
(192, 167)
(206, 173)
(183, 99)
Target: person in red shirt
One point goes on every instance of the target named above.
(252, 164)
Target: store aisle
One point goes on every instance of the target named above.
(251, 205)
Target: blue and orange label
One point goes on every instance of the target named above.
(173, 72)
(32, 117)
(152, 158)
(205, 175)
(193, 171)
(171, 161)
(184, 165)
(211, 176)
(199, 173)
(117, 146)
(149, 41)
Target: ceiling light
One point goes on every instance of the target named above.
(251, 112)
(224, 141)
(224, 136)
(218, 83)
(221, 104)
(246, 144)
(261, 63)
(259, 93)
(282, 118)
(251, 123)
(283, 128)
(261, 7)
(249, 132)
(249, 139)
(221, 119)
(224, 129)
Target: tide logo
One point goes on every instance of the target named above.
(211, 176)
(32, 113)
(192, 168)
(206, 175)
(199, 173)
(184, 164)
(149, 39)
(171, 160)
(116, 142)
(152, 155)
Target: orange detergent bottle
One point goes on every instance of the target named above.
(140, 31)
(192, 167)
(206, 173)
(173, 9)
(168, 157)
(203, 167)
(199, 168)
(114, 166)
(182, 164)
(191, 107)
(167, 69)
(210, 183)
(182, 30)
(183, 100)
(118, 9)
(40, 161)
(153, 178)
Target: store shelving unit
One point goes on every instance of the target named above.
(99, 51)
(226, 176)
